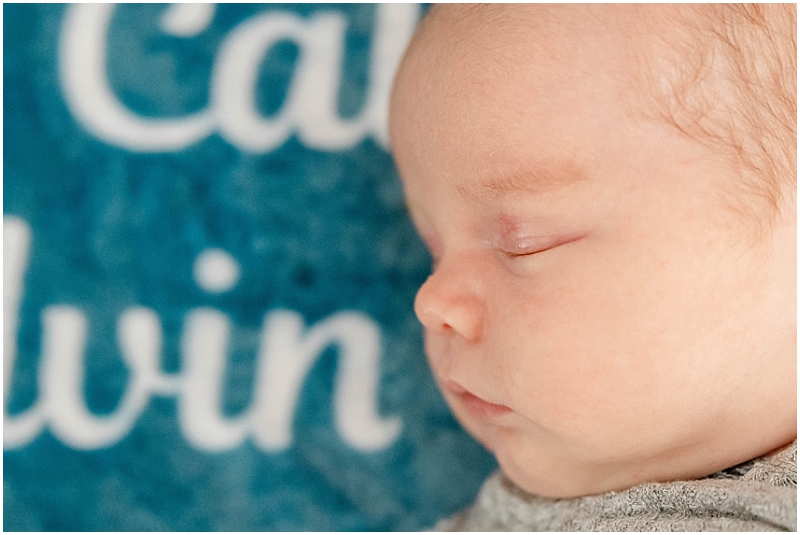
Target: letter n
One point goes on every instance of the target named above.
(287, 355)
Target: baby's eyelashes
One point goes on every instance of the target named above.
(515, 248)
(515, 256)
(515, 253)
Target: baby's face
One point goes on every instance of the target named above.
(594, 316)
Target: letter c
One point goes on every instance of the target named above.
(82, 62)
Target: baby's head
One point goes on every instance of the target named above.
(608, 193)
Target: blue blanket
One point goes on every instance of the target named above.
(209, 276)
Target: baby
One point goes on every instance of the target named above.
(608, 194)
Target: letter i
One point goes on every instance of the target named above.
(204, 350)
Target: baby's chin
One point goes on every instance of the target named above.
(556, 474)
(550, 471)
(569, 462)
(561, 481)
(543, 475)
(534, 469)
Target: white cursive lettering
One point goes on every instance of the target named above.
(310, 107)
(287, 352)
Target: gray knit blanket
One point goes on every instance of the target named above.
(760, 495)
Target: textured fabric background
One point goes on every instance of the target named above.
(205, 246)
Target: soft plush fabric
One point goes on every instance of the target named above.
(760, 495)
(209, 276)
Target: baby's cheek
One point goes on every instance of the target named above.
(564, 341)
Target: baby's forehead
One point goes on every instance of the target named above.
(479, 53)
(550, 29)
(519, 23)
(723, 76)
(484, 29)
(492, 41)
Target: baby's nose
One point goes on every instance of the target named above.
(449, 303)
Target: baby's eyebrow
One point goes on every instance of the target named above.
(534, 178)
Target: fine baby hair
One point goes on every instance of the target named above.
(728, 77)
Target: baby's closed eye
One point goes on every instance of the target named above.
(524, 255)
(528, 246)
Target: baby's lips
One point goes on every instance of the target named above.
(475, 406)
(453, 387)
